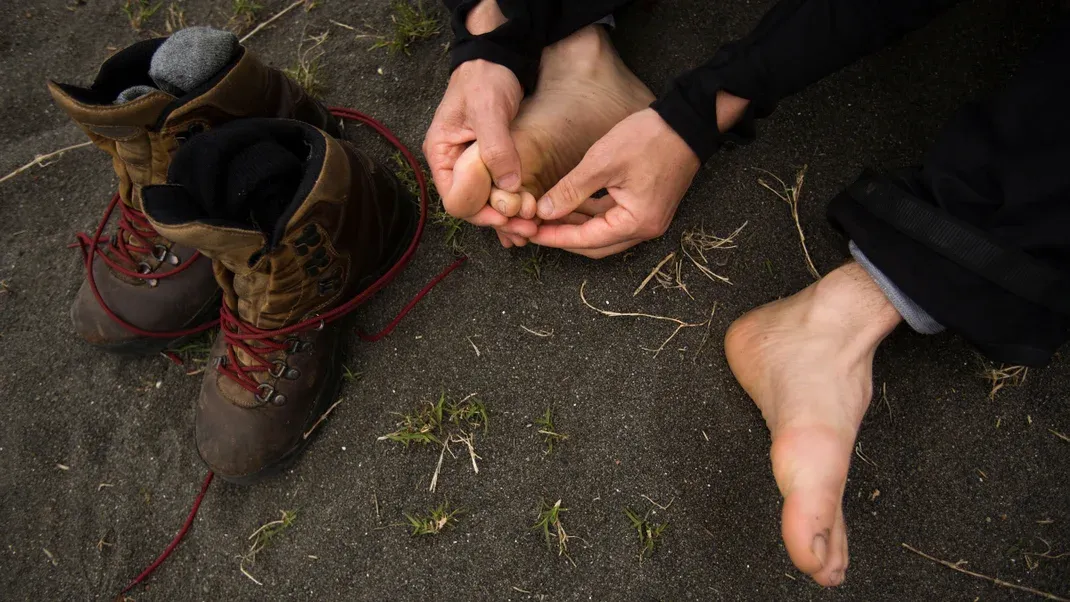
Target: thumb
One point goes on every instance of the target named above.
(572, 190)
(498, 152)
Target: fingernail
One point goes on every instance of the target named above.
(836, 578)
(546, 207)
(501, 206)
(508, 181)
(820, 547)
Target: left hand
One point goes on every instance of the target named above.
(644, 165)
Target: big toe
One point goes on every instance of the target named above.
(471, 185)
(810, 466)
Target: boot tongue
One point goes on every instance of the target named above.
(189, 58)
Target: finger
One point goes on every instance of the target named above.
(497, 149)
(606, 251)
(487, 217)
(521, 227)
(507, 203)
(441, 160)
(574, 189)
(611, 228)
(573, 219)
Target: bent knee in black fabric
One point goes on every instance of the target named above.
(999, 170)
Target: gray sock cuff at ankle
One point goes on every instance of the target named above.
(912, 313)
(608, 21)
(191, 57)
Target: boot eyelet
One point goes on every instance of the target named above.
(145, 269)
(265, 393)
(296, 346)
(278, 399)
(281, 369)
(163, 254)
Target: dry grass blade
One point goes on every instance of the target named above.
(791, 196)
(261, 538)
(680, 324)
(39, 160)
(654, 272)
(1003, 376)
(957, 566)
(275, 17)
(308, 70)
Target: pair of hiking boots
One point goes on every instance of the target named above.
(240, 204)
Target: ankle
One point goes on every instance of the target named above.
(849, 301)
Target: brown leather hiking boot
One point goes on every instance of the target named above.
(297, 223)
(143, 292)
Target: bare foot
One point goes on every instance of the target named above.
(807, 362)
(584, 89)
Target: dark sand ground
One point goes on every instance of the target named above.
(672, 427)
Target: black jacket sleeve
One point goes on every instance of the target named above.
(796, 43)
(531, 26)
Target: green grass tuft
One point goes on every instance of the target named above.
(410, 24)
(438, 520)
(649, 533)
(550, 436)
(139, 11)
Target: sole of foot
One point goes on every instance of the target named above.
(584, 89)
(807, 362)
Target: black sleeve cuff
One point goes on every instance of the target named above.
(478, 47)
(699, 128)
(513, 45)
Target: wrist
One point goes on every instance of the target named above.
(485, 18)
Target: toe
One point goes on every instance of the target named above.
(528, 205)
(507, 203)
(471, 185)
(810, 466)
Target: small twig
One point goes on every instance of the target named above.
(467, 441)
(538, 333)
(862, 456)
(470, 342)
(257, 29)
(321, 418)
(39, 160)
(438, 467)
(375, 499)
(343, 25)
(957, 567)
(680, 324)
(665, 507)
(790, 195)
(1059, 435)
(653, 273)
(706, 336)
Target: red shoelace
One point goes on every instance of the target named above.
(134, 237)
(256, 342)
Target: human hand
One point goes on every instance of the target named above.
(646, 168)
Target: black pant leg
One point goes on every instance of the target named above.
(979, 234)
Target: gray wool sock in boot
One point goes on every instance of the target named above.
(186, 60)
